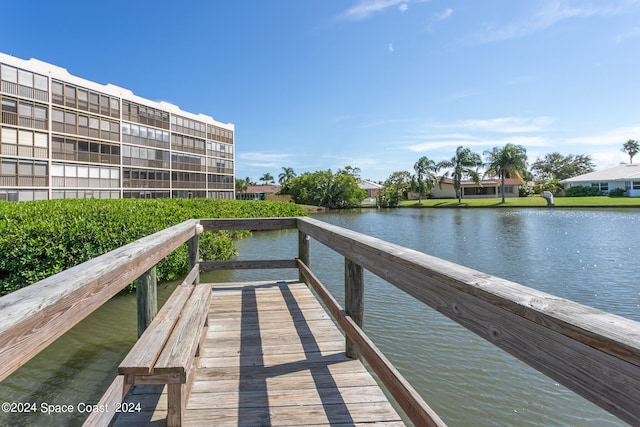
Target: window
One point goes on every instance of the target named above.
(83, 99)
(9, 136)
(25, 78)
(70, 96)
(9, 167)
(635, 185)
(40, 140)
(9, 74)
(9, 106)
(57, 92)
(39, 169)
(40, 82)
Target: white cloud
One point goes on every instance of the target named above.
(553, 12)
(263, 159)
(628, 35)
(365, 9)
(506, 124)
(526, 141)
(609, 159)
(441, 16)
(390, 47)
(438, 17)
(616, 136)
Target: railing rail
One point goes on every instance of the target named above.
(594, 353)
(33, 317)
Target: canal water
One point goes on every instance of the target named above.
(584, 255)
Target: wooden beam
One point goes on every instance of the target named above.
(33, 317)
(194, 251)
(353, 299)
(146, 298)
(594, 353)
(112, 397)
(247, 265)
(252, 224)
(304, 251)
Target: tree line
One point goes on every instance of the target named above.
(340, 189)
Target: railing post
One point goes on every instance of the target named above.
(147, 299)
(194, 252)
(353, 299)
(303, 251)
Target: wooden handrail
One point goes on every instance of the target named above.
(33, 317)
(594, 353)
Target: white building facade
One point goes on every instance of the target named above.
(624, 176)
(66, 137)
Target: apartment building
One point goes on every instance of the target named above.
(62, 136)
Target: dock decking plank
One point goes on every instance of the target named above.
(272, 356)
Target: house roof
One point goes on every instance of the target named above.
(624, 172)
(485, 182)
(267, 189)
(368, 185)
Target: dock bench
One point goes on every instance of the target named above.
(166, 352)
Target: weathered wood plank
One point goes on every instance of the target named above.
(287, 397)
(146, 299)
(549, 333)
(109, 400)
(353, 299)
(247, 265)
(302, 362)
(144, 354)
(35, 316)
(304, 251)
(179, 350)
(252, 224)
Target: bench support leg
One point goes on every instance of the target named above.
(175, 404)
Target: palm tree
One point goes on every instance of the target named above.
(509, 160)
(266, 178)
(631, 147)
(464, 163)
(242, 185)
(425, 174)
(286, 175)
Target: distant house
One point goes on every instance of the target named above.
(370, 187)
(258, 192)
(488, 188)
(625, 176)
(372, 190)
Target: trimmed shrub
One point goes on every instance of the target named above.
(582, 191)
(616, 192)
(42, 238)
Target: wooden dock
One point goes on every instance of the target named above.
(272, 356)
(268, 354)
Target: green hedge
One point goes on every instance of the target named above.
(582, 191)
(39, 239)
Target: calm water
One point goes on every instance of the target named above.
(583, 255)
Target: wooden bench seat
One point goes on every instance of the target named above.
(167, 350)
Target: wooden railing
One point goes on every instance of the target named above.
(593, 353)
(33, 317)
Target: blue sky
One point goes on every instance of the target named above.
(375, 84)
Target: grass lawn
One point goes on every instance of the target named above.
(533, 201)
